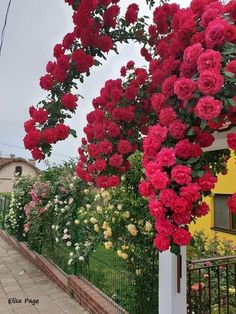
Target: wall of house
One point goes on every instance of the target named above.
(7, 174)
(226, 185)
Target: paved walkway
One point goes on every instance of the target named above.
(22, 281)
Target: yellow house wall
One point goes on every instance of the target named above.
(226, 185)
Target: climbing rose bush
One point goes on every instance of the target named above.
(168, 111)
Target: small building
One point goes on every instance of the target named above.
(220, 220)
(12, 166)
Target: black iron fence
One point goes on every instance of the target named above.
(212, 286)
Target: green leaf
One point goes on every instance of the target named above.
(191, 132)
(203, 124)
(73, 132)
(175, 249)
(228, 74)
(232, 102)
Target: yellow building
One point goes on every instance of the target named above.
(220, 220)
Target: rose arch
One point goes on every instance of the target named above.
(170, 111)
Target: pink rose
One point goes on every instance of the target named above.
(192, 53)
(177, 129)
(215, 33)
(184, 88)
(209, 60)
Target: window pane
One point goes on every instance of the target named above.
(221, 211)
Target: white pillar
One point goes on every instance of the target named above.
(170, 301)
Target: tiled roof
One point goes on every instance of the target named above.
(5, 161)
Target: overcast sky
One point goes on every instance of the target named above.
(33, 28)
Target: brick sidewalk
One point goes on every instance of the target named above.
(21, 280)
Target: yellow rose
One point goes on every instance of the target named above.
(96, 227)
(148, 226)
(93, 220)
(132, 229)
(119, 253)
(126, 214)
(124, 255)
(108, 245)
(107, 233)
(105, 225)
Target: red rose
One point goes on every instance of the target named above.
(68, 40)
(231, 9)
(182, 236)
(186, 70)
(209, 60)
(192, 53)
(58, 50)
(49, 135)
(204, 139)
(99, 131)
(190, 192)
(69, 101)
(63, 62)
(40, 115)
(62, 131)
(82, 60)
(105, 147)
(184, 88)
(180, 205)
(167, 115)
(116, 160)
(168, 86)
(157, 101)
(207, 181)
(210, 82)
(46, 82)
(159, 132)
(209, 15)
(181, 174)
(167, 197)
(50, 66)
(131, 14)
(59, 74)
(201, 210)
(160, 180)
(113, 181)
(215, 33)
(177, 129)
(181, 219)
(183, 149)
(166, 157)
(161, 242)
(198, 6)
(164, 227)
(37, 154)
(29, 124)
(230, 34)
(124, 147)
(231, 67)
(231, 140)
(32, 139)
(100, 164)
(105, 43)
(113, 129)
(144, 188)
(195, 150)
(156, 209)
(208, 108)
(231, 202)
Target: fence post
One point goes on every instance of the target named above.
(172, 277)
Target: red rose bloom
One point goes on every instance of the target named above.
(124, 147)
(49, 135)
(168, 86)
(113, 181)
(184, 88)
(40, 115)
(181, 174)
(207, 181)
(100, 165)
(32, 139)
(105, 43)
(62, 131)
(82, 60)
(69, 101)
(29, 124)
(116, 160)
(166, 157)
(183, 149)
(177, 129)
(201, 210)
(105, 147)
(192, 53)
(59, 74)
(231, 67)
(204, 139)
(157, 101)
(209, 60)
(160, 180)
(156, 209)
(161, 242)
(182, 236)
(180, 205)
(113, 129)
(37, 154)
(190, 192)
(167, 197)
(215, 33)
(231, 202)
(46, 82)
(208, 108)
(210, 82)
(131, 14)
(167, 115)
(144, 188)
(231, 140)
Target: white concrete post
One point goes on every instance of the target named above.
(170, 301)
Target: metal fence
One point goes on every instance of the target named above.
(4, 204)
(212, 286)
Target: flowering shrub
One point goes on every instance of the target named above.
(187, 93)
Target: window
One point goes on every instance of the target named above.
(18, 170)
(223, 218)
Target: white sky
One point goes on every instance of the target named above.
(33, 28)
